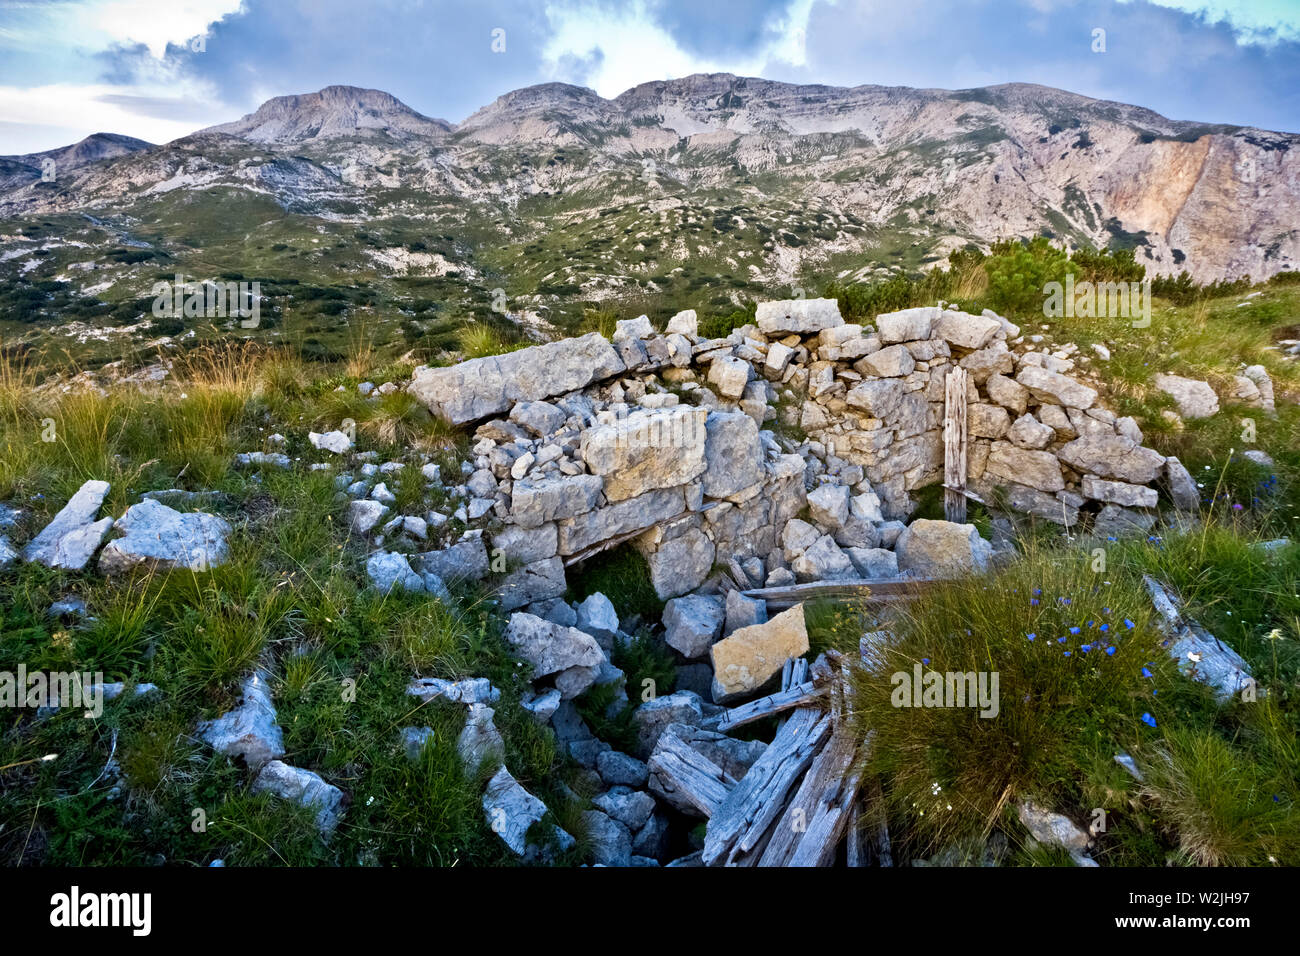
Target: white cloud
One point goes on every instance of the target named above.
(155, 23)
(635, 49)
(43, 117)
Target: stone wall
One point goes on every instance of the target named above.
(703, 453)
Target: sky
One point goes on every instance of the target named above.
(160, 69)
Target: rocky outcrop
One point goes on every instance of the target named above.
(71, 539)
(488, 386)
(159, 537)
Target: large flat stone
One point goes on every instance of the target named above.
(752, 656)
(648, 450)
(487, 386)
(1120, 459)
(624, 517)
(804, 316)
(71, 539)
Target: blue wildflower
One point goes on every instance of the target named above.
(1110, 651)
(1148, 720)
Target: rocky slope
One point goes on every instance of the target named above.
(555, 189)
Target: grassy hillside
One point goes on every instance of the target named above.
(1220, 783)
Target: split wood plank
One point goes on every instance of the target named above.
(799, 695)
(955, 439)
(745, 816)
(681, 769)
(809, 831)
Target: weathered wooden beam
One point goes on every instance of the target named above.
(682, 770)
(955, 440)
(798, 695)
(870, 590)
(743, 819)
(809, 831)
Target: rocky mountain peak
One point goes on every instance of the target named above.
(335, 111)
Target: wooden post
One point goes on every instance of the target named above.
(954, 446)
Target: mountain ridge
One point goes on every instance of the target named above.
(761, 180)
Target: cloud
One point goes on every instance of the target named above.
(1176, 63)
(132, 61)
(44, 117)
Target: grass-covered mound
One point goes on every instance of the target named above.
(1084, 675)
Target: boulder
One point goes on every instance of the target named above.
(364, 514)
(552, 648)
(692, 623)
(304, 788)
(1036, 469)
(526, 545)
(1029, 433)
(71, 539)
(249, 730)
(1114, 521)
(823, 561)
(1182, 486)
(963, 329)
(622, 517)
(1195, 399)
(471, 690)
(535, 502)
(539, 581)
(684, 323)
(931, 548)
(987, 421)
(874, 562)
(646, 451)
(906, 325)
(1056, 389)
(752, 656)
(653, 716)
(467, 559)
(730, 375)
(1112, 457)
(680, 564)
(511, 810)
(480, 743)
(733, 454)
(596, 616)
(610, 841)
(388, 571)
(540, 418)
(163, 539)
(890, 362)
(804, 316)
(879, 398)
(1119, 493)
(1008, 393)
(337, 442)
(829, 505)
(618, 769)
(743, 612)
(629, 807)
(488, 386)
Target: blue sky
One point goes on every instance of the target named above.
(158, 69)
